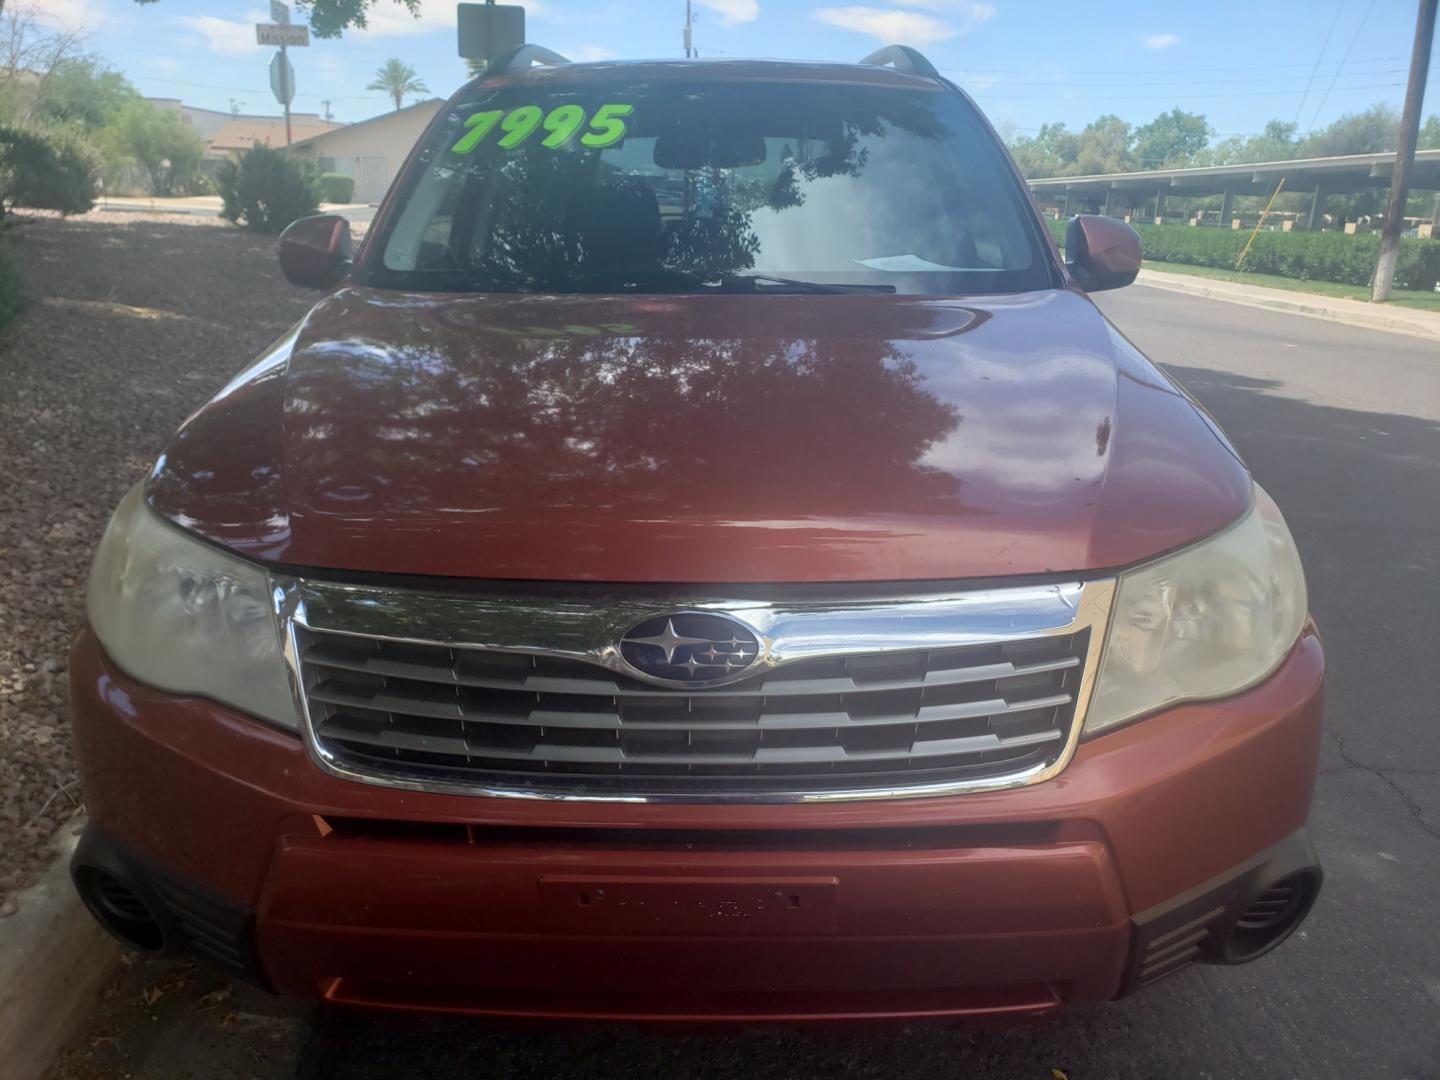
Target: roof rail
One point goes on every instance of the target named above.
(522, 58)
(903, 58)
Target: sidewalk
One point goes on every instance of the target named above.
(1396, 320)
(187, 204)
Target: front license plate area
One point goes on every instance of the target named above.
(716, 906)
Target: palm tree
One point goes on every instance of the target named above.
(397, 79)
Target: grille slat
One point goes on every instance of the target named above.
(352, 732)
(388, 700)
(356, 655)
(894, 718)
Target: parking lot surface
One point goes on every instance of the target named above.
(1342, 426)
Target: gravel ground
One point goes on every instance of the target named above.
(133, 321)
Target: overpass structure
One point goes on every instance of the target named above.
(1320, 177)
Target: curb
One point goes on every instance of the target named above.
(54, 960)
(1253, 297)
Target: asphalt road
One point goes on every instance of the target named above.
(1343, 427)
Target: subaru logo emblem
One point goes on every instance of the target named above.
(690, 647)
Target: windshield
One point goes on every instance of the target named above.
(664, 187)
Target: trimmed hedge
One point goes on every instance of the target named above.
(1305, 256)
(336, 187)
(12, 287)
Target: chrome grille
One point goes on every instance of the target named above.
(836, 719)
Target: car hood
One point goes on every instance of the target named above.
(701, 439)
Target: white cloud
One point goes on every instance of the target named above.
(394, 20)
(733, 11)
(387, 18)
(67, 16)
(910, 27)
(974, 11)
(223, 35)
(887, 25)
(1161, 41)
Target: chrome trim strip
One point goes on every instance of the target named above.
(789, 631)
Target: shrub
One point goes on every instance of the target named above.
(336, 187)
(267, 189)
(166, 148)
(1305, 256)
(12, 291)
(45, 171)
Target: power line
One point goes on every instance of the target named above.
(1363, 19)
(962, 75)
(1339, 7)
(1169, 97)
(1158, 71)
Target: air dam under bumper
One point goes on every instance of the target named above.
(1137, 859)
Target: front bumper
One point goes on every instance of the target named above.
(1137, 859)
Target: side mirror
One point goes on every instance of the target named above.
(1101, 253)
(315, 251)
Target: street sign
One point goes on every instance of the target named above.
(282, 79)
(487, 30)
(279, 13)
(293, 37)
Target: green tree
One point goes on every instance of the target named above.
(1172, 139)
(166, 148)
(1105, 147)
(398, 79)
(1050, 153)
(84, 93)
(1276, 143)
(1373, 131)
(1430, 134)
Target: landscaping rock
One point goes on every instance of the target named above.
(133, 323)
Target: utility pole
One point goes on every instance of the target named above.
(1405, 153)
(326, 102)
(689, 21)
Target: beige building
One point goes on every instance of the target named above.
(373, 150)
(226, 134)
(241, 133)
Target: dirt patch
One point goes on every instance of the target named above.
(166, 1019)
(135, 322)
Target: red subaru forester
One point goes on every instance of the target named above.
(706, 558)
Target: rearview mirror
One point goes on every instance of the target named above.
(315, 251)
(1101, 253)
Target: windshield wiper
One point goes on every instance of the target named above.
(796, 285)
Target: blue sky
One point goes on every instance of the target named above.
(1025, 61)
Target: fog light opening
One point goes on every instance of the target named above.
(120, 909)
(1271, 917)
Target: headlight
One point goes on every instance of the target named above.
(185, 617)
(1206, 622)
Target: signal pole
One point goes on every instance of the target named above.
(689, 20)
(288, 91)
(1404, 153)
